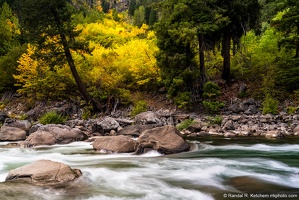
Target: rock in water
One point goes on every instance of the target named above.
(11, 134)
(44, 173)
(165, 140)
(53, 134)
(119, 144)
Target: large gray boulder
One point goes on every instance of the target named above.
(44, 173)
(165, 140)
(105, 126)
(148, 117)
(115, 144)
(53, 134)
(12, 134)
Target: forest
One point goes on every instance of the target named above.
(105, 52)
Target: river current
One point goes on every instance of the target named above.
(211, 170)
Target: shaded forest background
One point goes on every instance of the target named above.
(110, 53)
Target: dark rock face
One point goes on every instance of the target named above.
(12, 134)
(164, 139)
(53, 134)
(3, 116)
(118, 144)
(44, 173)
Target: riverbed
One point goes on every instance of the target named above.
(213, 169)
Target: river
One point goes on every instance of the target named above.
(213, 169)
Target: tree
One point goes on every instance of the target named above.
(241, 17)
(287, 22)
(47, 19)
(187, 29)
(9, 29)
(139, 16)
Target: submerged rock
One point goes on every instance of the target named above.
(118, 144)
(44, 173)
(165, 140)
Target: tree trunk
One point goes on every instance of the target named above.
(202, 69)
(297, 44)
(226, 57)
(68, 55)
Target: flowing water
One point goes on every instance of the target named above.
(212, 170)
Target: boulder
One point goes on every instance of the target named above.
(115, 144)
(165, 140)
(135, 130)
(229, 125)
(22, 124)
(148, 117)
(53, 134)
(196, 125)
(234, 108)
(12, 134)
(44, 173)
(105, 126)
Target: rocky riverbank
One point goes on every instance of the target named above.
(165, 131)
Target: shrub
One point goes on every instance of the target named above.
(182, 100)
(270, 105)
(215, 120)
(52, 117)
(292, 109)
(211, 90)
(184, 124)
(212, 107)
(140, 106)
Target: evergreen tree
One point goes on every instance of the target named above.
(241, 16)
(288, 24)
(44, 20)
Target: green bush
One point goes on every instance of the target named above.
(270, 105)
(139, 107)
(292, 109)
(184, 124)
(212, 107)
(211, 90)
(52, 117)
(182, 100)
(215, 120)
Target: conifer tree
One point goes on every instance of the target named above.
(47, 19)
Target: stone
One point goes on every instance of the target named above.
(44, 173)
(8, 133)
(196, 125)
(115, 144)
(105, 126)
(3, 116)
(250, 101)
(229, 125)
(53, 134)
(234, 108)
(22, 124)
(165, 140)
(148, 117)
(135, 130)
